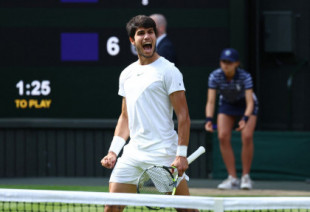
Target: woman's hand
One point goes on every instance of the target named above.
(209, 126)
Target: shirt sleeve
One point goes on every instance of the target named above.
(248, 83)
(121, 90)
(173, 80)
(212, 82)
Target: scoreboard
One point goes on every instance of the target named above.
(63, 58)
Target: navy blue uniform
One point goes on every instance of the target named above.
(232, 93)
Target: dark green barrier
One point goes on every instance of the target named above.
(74, 147)
(277, 156)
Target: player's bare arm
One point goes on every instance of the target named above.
(121, 132)
(179, 103)
(249, 108)
(122, 128)
(249, 102)
(210, 108)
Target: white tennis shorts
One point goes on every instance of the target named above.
(127, 170)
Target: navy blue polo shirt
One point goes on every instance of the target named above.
(234, 90)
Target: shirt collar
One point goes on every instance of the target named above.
(236, 76)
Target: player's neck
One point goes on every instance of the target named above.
(230, 75)
(145, 60)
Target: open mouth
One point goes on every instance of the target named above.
(147, 47)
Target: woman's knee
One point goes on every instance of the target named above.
(224, 137)
(247, 138)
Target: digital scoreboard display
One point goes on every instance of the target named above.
(63, 58)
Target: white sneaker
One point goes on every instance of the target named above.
(229, 183)
(246, 182)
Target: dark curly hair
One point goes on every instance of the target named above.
(140, 21)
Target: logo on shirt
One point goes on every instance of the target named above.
(238, 87)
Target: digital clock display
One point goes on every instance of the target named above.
(34, 88)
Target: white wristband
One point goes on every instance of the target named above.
(182, 151)
(117, 144)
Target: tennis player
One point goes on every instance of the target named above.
(151, 88)
(237, 100)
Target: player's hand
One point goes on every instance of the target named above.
(181, 164)
(209, 126)
(242, 124)
(109, 160)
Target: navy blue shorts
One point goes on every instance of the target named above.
(235, 109)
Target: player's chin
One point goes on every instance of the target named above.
(148, 55)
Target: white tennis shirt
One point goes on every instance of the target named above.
(147, 89)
